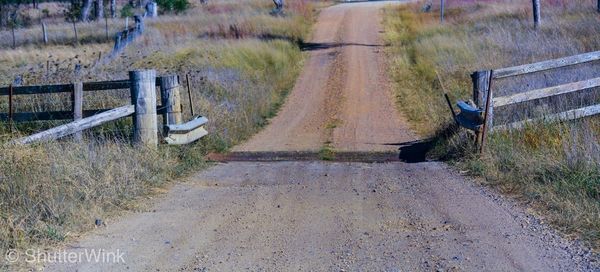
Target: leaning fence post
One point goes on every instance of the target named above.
(77, 99)
(143, 96)
(481, 81)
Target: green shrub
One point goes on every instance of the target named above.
(177, 6)
(127, 11)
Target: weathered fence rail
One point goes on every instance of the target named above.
(76, 96)
(78, 125)
(480, 116)
(142, 86)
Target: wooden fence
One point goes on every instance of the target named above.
(142, 86)
(480, 116)
(127, 36)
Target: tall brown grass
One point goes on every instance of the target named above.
(555, 167)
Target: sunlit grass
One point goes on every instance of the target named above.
(555, 167)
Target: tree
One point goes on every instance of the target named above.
(442, 7)
(113, 8)
(8, 11)
(99, 9)
(85, 10)
(173, 5)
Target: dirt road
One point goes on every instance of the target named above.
(342, 98)
(332, 216)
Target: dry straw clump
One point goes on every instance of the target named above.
(554, 166)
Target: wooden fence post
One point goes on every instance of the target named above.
(44, 33)
(481, 81)
(14, 40)
(171, 99)
(10, 107)
(536, 13)
(77, 99)
(143, 96)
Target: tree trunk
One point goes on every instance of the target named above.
(85, 10)
(536, 13)
(99, 9)
(442, 7)
(113, 8)
(4, 14)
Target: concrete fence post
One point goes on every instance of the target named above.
(170, 92)
(143, 97)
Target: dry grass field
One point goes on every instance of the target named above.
(555, 168)
(241, 62)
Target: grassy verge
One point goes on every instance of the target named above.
(556, 167)
(50, 192)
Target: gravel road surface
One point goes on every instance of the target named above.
(333, 216)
